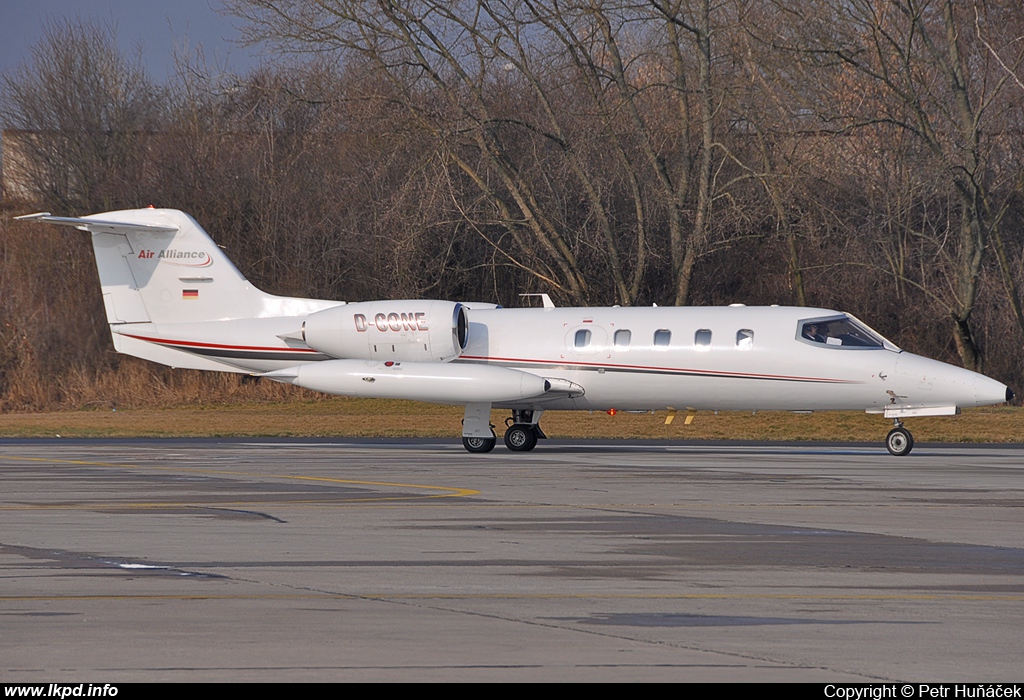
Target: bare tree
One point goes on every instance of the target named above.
(84, 112)
(915, 65)
(572, 119)
(423, 49)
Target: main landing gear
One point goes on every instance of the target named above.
(521, 433)
(523, 430)
(479, 445)
(899, 441)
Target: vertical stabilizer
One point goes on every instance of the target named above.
(160, 266)
(172, 272)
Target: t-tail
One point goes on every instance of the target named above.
(159, 271)
(160, 266)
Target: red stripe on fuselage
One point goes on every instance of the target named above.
(218, 346)
(653, 368)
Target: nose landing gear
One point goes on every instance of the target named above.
(899, 441)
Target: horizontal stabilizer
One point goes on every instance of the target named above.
(97, 225)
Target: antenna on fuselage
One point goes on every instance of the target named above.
(545, 300)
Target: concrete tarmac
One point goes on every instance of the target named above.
(363, 560)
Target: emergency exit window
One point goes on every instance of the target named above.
(582, 338)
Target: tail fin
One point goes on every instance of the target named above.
(160, 266)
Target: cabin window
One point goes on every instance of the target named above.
(582, 338)
(622, 338)
(662, 337)
(744, 339)
(702, 338)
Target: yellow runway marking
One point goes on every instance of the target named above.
(455, 492)
(446, 491)
(213, 505)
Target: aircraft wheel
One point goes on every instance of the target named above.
(899, 442)
(520, 438)
(479, 445)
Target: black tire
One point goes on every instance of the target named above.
(479, 445)
(520, 438)
(899, 442)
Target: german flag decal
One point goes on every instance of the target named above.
(189, 293)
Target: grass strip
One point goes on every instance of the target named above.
(344, 417)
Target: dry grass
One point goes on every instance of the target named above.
(137, 384)
(381, 418)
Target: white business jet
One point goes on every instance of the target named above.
(173, 297)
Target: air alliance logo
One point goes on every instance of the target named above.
(182, 258)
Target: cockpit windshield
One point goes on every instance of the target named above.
(841, 331)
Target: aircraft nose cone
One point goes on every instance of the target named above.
(989, 391)
(926, 381)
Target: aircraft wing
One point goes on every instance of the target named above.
(97, 225)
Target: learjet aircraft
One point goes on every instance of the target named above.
(172, 296)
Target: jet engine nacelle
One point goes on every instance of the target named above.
(413, 331)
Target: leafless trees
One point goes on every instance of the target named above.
(586, 128)
(85, 110)
(929, 70)
(860, 154)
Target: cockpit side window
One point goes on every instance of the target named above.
(839, 331)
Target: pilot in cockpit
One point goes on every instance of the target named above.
(814, 332)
